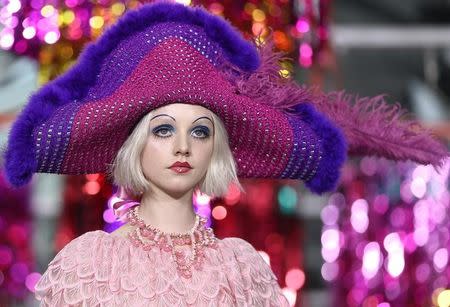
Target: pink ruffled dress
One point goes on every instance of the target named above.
(102, 269)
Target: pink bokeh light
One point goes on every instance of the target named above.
(359, 218)
(440, 259)
(302, 25)
(31, 280)
(329, 215)
(372, 260)
(418, 187)
(330, 271)
(295, 278)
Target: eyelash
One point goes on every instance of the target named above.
(168, 128)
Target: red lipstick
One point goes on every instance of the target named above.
(181, 167)
(181, 164)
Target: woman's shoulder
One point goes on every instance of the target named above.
(86, 243)
(79, 250)
(239, 246)
(236, 242)
(84, 263)
(243, 261)
(122, 231)
(247, 257)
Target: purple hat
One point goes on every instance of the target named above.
(166, 53)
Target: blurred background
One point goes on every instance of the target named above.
(381, 240)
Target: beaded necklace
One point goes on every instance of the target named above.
(149, 237)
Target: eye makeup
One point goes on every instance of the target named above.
(199, 132)
(161, 131)
(204, 130)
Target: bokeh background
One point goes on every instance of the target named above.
(381, 240)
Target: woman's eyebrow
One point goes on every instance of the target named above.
(162, 115)
(175, 119)
(204, 117)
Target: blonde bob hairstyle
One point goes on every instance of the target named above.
(126, 169)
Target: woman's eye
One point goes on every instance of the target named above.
(200, 133)
(162, 132)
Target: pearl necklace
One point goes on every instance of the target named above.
(199, 237)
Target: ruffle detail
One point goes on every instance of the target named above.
(253, 281)
(100, 269)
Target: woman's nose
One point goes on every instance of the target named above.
(182, 144)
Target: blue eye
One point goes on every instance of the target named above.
(165, 131)
(162, 131)
(201, 132)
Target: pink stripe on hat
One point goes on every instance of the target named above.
(101, 126)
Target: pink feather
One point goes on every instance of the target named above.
(371, 125)
(374, 127)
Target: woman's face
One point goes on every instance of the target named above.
(178, 132)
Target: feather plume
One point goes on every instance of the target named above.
(374, 127)
(371, 125)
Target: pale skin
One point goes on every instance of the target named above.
(177, 132)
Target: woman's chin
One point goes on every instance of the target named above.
(179, 187)
(177, 184)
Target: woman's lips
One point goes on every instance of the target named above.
(180, 169)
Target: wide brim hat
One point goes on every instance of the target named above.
(166, 53)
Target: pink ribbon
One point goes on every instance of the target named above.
(120, 208)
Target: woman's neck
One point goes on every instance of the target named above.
(167, 213)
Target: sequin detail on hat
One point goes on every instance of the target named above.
(189, 78)
(306, 153)
(54, 135)
(119, 65)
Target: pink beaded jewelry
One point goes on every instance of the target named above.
(199, 237)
